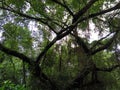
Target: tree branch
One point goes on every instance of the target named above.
(64, 5)
(68, 29)
(105, 46)
(83, 10)
(23, 15)
(59, 36)
(78, 82)
(15, 53)
(98, 41)
(38, 59)
(100, 13)
(42, 20)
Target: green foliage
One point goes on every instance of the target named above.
(10, 69)
(16, 36)
(8, 85)
(109, 79)
(76, 5)
(62, 62)
(40, 6)
(97, 6)
(115, 22)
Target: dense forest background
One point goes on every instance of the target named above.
(59, 45)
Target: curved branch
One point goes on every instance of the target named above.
(15, 53)
(84, 10)
(23, 15)
(58, 37)
(98, 41)
(38, 59)
(100, 13)
(105, 46)
(42, 20)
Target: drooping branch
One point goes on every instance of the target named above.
(64, 5)
(106, 45)
(15, 53)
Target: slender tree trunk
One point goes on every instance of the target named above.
(14, 69)
(24, 73)
(60, 64)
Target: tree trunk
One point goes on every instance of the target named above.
(38, 80)
(24, 74)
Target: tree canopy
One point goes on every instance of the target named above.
(59, 44)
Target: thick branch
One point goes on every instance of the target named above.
(84, 9)
(105, 46)
(15, 53)
(60, 35)
(98, 41)
(66, 31)
(65, 6)
(100, 13)
(46, 49)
